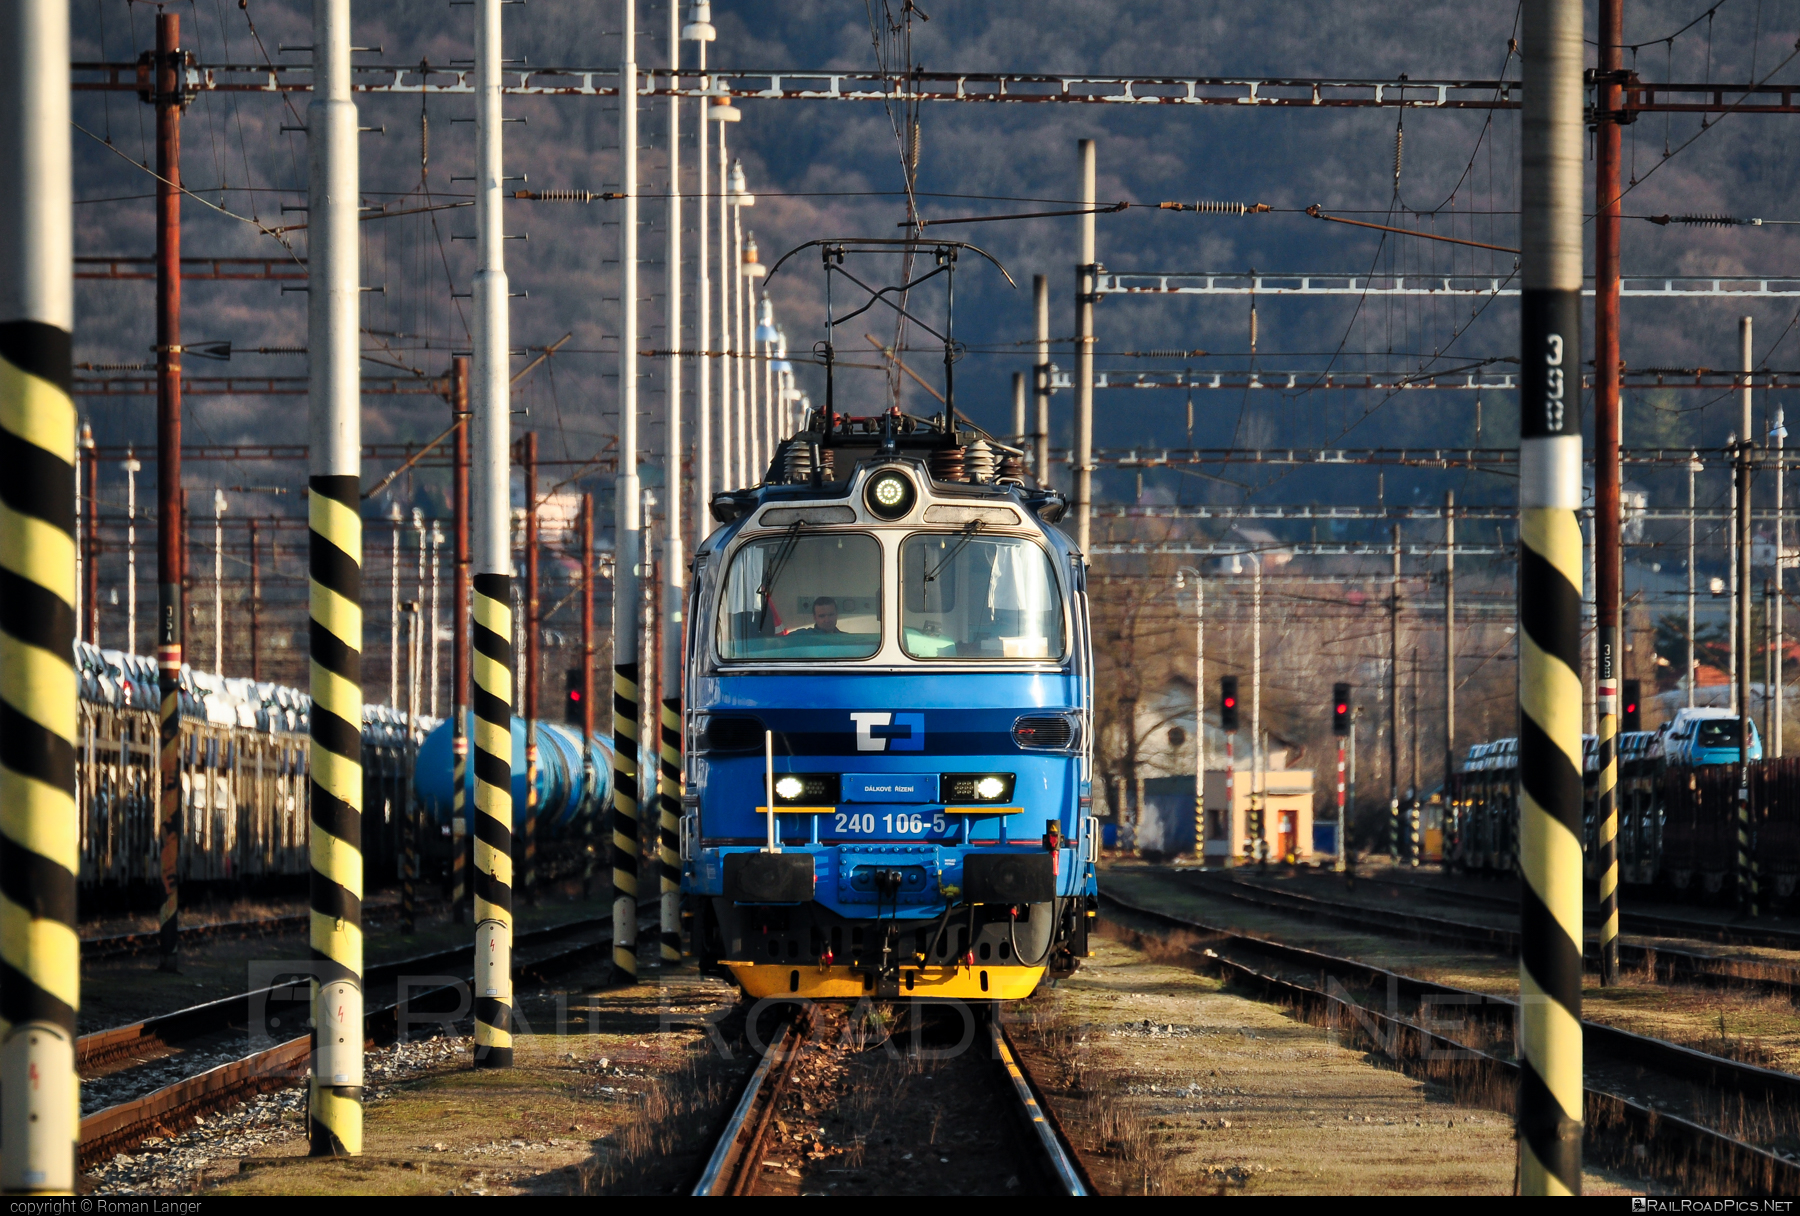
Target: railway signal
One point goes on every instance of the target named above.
(572, 706)
(1228, 722)
(1340, 726)
(1631, 718)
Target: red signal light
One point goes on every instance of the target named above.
(1230, 701)
(1343, 708)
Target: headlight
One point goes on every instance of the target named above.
(975, 787)
(803, 789)
(890, 494)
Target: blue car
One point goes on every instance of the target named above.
(1698, 737)
(888, 716)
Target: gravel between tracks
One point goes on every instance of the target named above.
(865, 1115)
(266, 1125)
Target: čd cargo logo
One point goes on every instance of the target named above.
(889, 732)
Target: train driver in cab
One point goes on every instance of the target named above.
(825, 616)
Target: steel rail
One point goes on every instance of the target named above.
(1744, 1165)
(992, 87)
(1683, 965)
(123, 945)
(731, 1167)
(1646, 924)
(167, 1030)
(1059, 1158)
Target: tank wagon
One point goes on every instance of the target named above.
(573, 789)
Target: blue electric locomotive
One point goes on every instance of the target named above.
(889, 728)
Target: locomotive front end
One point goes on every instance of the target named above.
(887, 740)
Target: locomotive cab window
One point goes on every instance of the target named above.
(968, 596)
(800, 596)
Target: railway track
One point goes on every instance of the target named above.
(1646, 924)
(737, 1161)
(1756, 975)
(127, 945)
(1673, 1102)
(154, 1108)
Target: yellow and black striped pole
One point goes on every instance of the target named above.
(493, 818)
(334, 503)
(1550, 570)
(492, 631)
(674, 566)
(669, 825)
(1746, 840)
(628, 554)
(625, 791)
(334, 513)
(39, 949)
(1607, 516)
(459, 811)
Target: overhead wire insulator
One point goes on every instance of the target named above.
(1704, 221)
(1211, 207)
(566, 196)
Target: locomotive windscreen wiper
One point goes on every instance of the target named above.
(968, 534)
(776, 565)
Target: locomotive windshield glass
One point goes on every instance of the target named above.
(966, 596)
(800, 595)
